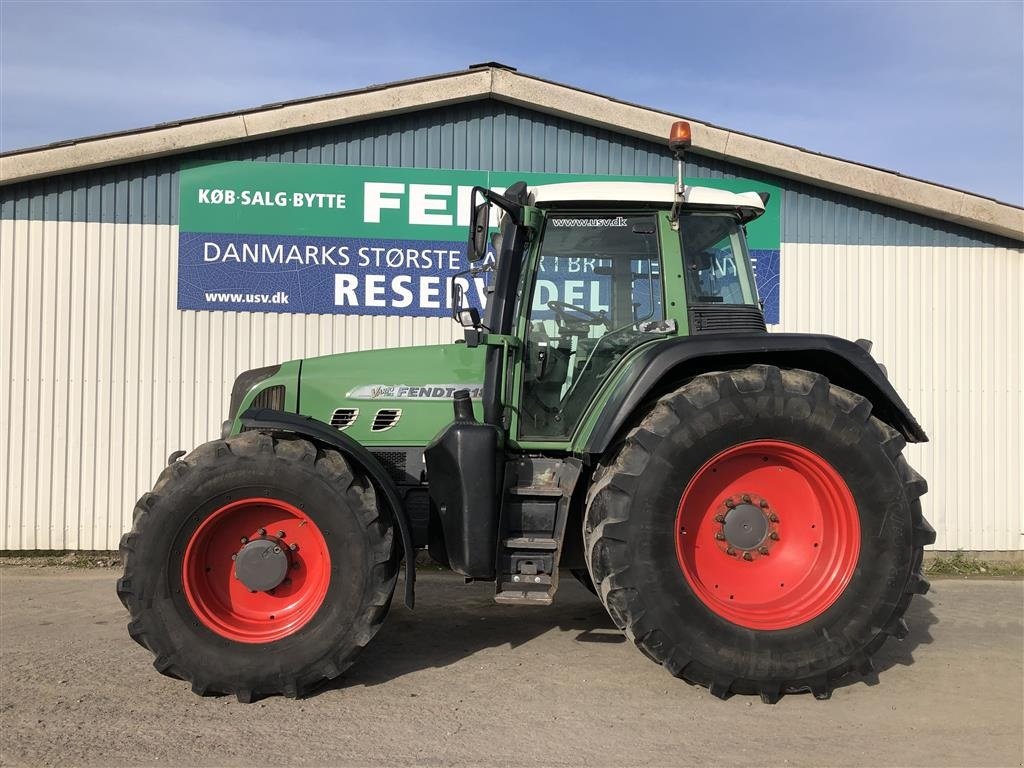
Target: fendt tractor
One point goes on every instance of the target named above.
(736, 499)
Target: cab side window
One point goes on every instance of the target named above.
(597, 290)
(716, 270)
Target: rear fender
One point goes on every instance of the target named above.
(327, 436)
(663, 365)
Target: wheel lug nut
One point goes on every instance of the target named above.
(730, 503)
(234, 556)
(720, 536)
(764, 504)
(280, 534)
(730, 551)
(293, 547)
(719, 518)
(773, 517)
(245, 539)
(773, 536)
(763, 550)
(746, 498)
(262, 531)
(747, 556)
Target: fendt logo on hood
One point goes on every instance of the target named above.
(412, 391)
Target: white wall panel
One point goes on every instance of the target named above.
(103, 377)
(949, 326)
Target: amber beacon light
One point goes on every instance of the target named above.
(678, 141)
(679, 137)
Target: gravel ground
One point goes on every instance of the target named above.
(462, 681)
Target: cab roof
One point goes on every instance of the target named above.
(644, 192)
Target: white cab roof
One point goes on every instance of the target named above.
(640, 192)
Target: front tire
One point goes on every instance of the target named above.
(758, 532)
(257, 566)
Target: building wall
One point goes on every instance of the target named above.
(103, 377)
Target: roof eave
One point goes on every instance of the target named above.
(783, 160)
(247, 125)
(503, 84)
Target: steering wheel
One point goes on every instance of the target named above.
(584, 319)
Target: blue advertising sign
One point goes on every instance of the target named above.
(299, 238)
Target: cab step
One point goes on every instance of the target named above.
(531, 543)
(512, 594)
(538, 492)
(535, 490)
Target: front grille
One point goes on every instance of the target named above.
(271, 397)
(394, 462)
(385, 419)
(343, 418)
(726, 318)
(246, 381)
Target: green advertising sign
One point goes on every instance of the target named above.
(281, 237)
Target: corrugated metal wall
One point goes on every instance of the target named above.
(949, 325)
(103, 377)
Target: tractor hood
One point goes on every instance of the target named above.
(400, 397)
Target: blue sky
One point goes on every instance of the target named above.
(934, 90)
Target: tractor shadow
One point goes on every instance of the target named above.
(920, 618)
(452, 621)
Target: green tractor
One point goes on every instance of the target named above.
(736, 499)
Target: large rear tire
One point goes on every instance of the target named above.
(758, 532)
(257, 566)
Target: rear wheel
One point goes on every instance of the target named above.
(758, 532)
(257, 566)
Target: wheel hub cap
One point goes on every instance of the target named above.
(746, 526)
(261, 565)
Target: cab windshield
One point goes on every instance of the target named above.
(715, 259)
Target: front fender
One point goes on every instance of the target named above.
(655, 366)
(327, 436)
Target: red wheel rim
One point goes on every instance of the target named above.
(223, 603)
(811, 534)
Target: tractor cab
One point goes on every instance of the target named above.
(605, 268)
(586, 276)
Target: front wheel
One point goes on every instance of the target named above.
(758, 532)
(257, 566)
